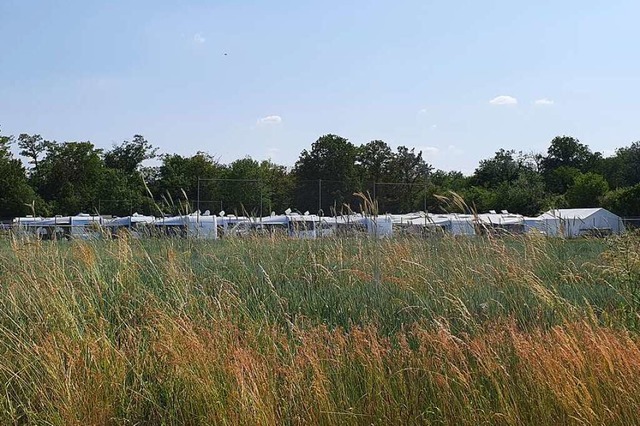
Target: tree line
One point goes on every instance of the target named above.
(49, 177)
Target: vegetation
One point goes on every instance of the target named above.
(449, 331)
(72, 177)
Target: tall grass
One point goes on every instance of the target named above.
(359, 331)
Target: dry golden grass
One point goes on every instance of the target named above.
(516, 331)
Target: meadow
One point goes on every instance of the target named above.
(518, 330)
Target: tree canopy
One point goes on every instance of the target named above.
(69, 177)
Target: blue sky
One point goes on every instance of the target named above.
(416, 73)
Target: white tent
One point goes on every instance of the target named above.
(379, 226)
(194, 225)
(577, 222)
(505, 222)
(136, 224)
(28, 226)
(550, 226)
(421, 224)
(462, 224)
(313, 226)
(82, 226)
(304, 226)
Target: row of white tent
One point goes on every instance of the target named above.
(563, 222)
(560, 222)
(205, 226)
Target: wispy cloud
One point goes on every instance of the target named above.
(199, 38)
(429, 151)
(423, 111)
(270, 120)
(503, 100)
(544, 101)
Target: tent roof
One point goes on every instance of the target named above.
(500, 219)
(572, 213)
(58, 220)
(123, 221)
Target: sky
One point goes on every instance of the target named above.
(457, 80)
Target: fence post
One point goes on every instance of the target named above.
(198, 196)
(319, 195)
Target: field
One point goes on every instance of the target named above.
(259, 331)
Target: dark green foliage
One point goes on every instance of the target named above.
(129, 156)
(176, 183)
(624, 202)
(561, 178)
(67, 177)
(569, 152)
(627, 166)
(70, 177)
(32, 147)
(16, 195)
(374, 161)
(587, 190)
(504, 167)
(331, 159)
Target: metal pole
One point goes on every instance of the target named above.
(198, 202)
(319, 195)
(260, 183)
(425, 198)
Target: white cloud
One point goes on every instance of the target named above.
(544, 101)
(434, 126)
(270, 120)
(430, 151)
(199, 38)
(503, 100)
(423, 111)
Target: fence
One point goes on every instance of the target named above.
(325, 197)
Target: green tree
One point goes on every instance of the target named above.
(242, 193)
(69, 177)
(505, 166)
(122, 189)
(129, 155)
(627, 165)
(32, 147)
(587, 190)
(569, 152)
(374, 162)
(5, 146)
(623, 201)
(477, 199)
(411, 174)
(441, 184)
(256, 187)
(331, 159)
(175, 183)
(278, 186)
(16, 195)
(525, 196)
(122, 194)
(561, 178)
